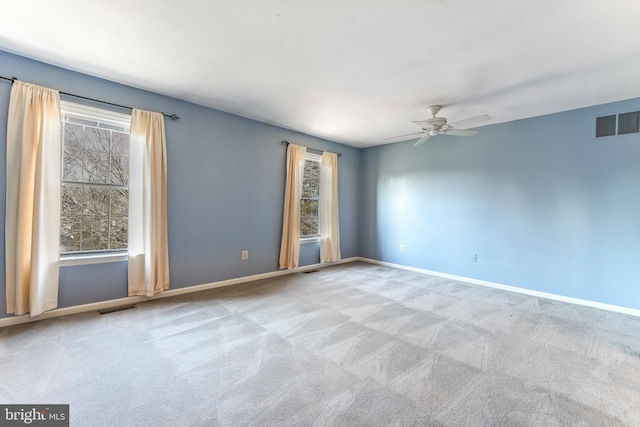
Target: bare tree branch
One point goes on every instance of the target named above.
(94, 217)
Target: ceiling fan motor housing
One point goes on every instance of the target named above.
(437, 122)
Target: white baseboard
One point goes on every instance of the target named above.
(103, 305)
(587, 303)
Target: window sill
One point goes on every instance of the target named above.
(86, 259)
(314, 239)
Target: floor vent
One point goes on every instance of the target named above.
(114, 309)
(310, 271)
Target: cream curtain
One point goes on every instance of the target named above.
(148, 242)
(290, 247)
(32, 218)
(328, 209)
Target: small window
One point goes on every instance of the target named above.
(95, 180)
(605, 126)
(310, 194)
(629, 123)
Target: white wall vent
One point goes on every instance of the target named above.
(618, 124)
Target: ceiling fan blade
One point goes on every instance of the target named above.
(461, 132)
(470, 121)
(422, 140)
(402, 136)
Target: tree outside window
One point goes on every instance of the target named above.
(95, 177)
(309, 199)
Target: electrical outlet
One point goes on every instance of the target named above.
(245, 254)
(474, 258)
(401, 248)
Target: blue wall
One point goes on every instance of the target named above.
(225, 188)
(543, 204)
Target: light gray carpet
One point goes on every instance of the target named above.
(350, 345)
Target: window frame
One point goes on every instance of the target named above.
(312, 157)
(110, 119)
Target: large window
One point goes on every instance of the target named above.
(95, 178)
(309, 200)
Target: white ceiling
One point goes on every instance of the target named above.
(352, 71)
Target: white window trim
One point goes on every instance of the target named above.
(314, 157)
(107, 117)
(95, 258)
(309, 239)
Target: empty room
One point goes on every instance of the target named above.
(320, 213)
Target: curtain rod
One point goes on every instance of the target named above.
(311, 149)
(171, 116)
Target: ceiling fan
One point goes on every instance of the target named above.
(439, 126)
